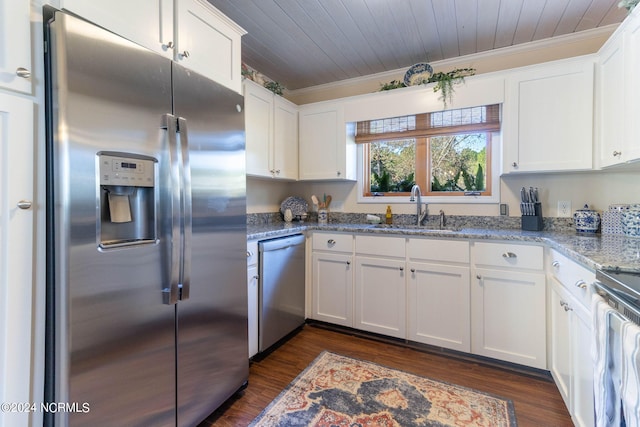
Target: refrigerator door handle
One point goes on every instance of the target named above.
(171, 294)
(186, 210)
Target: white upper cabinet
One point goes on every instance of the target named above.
(191, 32)
(148, 23)
(15, 45)
(271, 126)
(208, 42)
(617, 101)
(327, 149)
(548, 117)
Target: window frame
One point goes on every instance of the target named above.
(422, 173)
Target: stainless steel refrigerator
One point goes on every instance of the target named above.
(146, 193)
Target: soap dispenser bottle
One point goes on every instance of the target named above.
(388, 217)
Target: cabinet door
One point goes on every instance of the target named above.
(610, 102)
(631, 149)
(332, 285)
(16, 253)
(258, 114)
(325, 151)
(548, 116)
(285, 138)
(560, 341)
(508, 316)
(15, 45)
(148, 23)
(208, 43)
(439, 305)
(380, 296)
(252, 296)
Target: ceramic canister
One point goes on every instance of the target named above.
(586, 220)
(631, 221)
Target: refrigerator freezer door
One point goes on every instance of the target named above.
(114, 337)
(212, 322)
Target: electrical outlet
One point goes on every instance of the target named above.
(564, 208)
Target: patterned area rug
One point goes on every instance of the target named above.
(344, 392)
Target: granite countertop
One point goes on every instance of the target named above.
(599, 251)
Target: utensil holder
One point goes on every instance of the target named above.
(532, 221)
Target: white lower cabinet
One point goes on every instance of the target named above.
(380, 285)
(380, 296)
(508, 317)
(332, 278)
(570, 336)
(252, 296)
(439, 296)
(333, 288)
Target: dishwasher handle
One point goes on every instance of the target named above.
(280, 243)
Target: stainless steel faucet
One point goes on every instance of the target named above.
(416, 196)
(442, 219)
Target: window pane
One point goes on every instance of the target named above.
(458, 162)
(392, 165)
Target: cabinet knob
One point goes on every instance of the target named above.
(278, 171)
(338, 173)
(413, 270)
(23, 72)
(168, 45)
(581, 284)
(331, 242)
(249, 254)
(617, 153)
(401, 268)
(514, 164)
(509, 255)
(256, 277)
(184, 55)
(24, 204)
(348, 262)
(555, 264)
(479, 277)
(567, 307)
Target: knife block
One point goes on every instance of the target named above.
(533, 222)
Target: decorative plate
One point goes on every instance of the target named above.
(418, 74)
(299, 206)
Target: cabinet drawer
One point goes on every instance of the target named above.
(332, 242)
(383, 246)
(508, 255)
(439, 250)
(575, 278)
(252, 252)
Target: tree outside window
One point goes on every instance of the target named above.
(447, 153)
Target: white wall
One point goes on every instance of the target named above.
(599, 189)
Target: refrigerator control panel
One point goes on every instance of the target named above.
(126, 171)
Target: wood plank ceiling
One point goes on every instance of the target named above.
(303, 43)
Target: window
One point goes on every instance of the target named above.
(447, 153)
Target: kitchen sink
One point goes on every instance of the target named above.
(413, 227)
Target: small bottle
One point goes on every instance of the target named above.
(388, 217)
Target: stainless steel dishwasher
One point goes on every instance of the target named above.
(281, 295)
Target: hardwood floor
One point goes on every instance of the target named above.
(536, 399)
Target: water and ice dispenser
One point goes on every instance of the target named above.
(127, 199)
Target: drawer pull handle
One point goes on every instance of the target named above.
(509, 255)
(581, 284)
(331, 242)
(556, 264)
